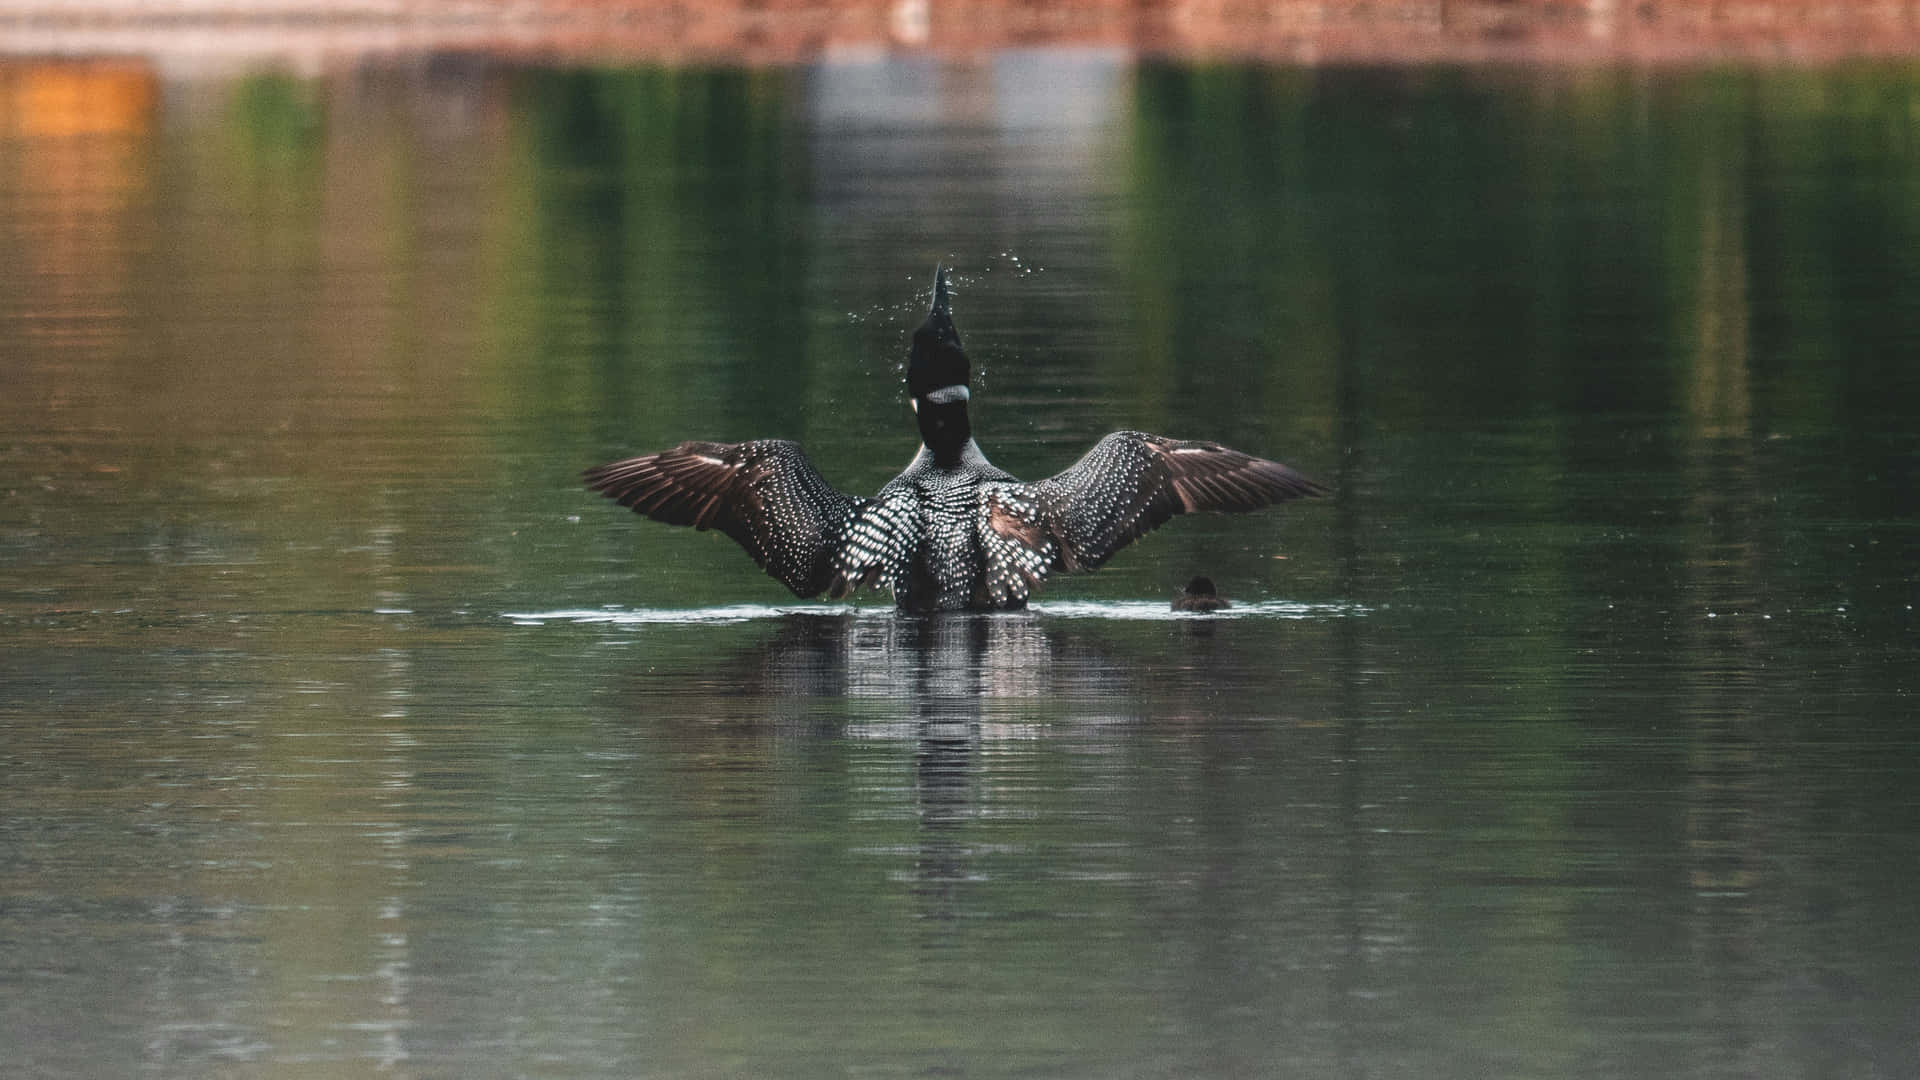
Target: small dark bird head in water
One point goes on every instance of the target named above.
(1199, 597)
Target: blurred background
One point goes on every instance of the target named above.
(345, 734)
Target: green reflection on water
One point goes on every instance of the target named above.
(1605, 767)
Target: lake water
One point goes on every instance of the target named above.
(344, 734)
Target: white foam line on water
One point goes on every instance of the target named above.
(646, 616)
(1154, 609)
(1129, 610)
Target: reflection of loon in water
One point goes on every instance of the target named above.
(952, 532)
(969, 668)
(971, 697)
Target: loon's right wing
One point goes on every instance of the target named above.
(765, 494)
(1132, 482)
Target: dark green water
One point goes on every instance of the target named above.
(342, 732)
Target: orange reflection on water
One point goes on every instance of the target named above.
(73, 175)
(83, 97)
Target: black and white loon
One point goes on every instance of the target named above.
(952, 532)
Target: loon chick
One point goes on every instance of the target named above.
(1200, 597)
(952, 532)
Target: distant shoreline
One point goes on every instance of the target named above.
(189, 35)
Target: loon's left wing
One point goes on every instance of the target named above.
(764, 494)
(1129, 484)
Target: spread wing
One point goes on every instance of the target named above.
(764, 494)
(1129, 484)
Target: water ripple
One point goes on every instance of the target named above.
(1127, 610)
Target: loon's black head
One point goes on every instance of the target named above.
(937, 377)
(937, 361)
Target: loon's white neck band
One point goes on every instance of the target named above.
(947, 395)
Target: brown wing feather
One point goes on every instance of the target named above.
(764, 494)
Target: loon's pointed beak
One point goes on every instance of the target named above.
(937, 359)
(942, 303)
(940, 315)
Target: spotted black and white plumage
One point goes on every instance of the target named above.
(952, 531)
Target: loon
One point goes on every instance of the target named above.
(1200, 597)
(952, 532)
